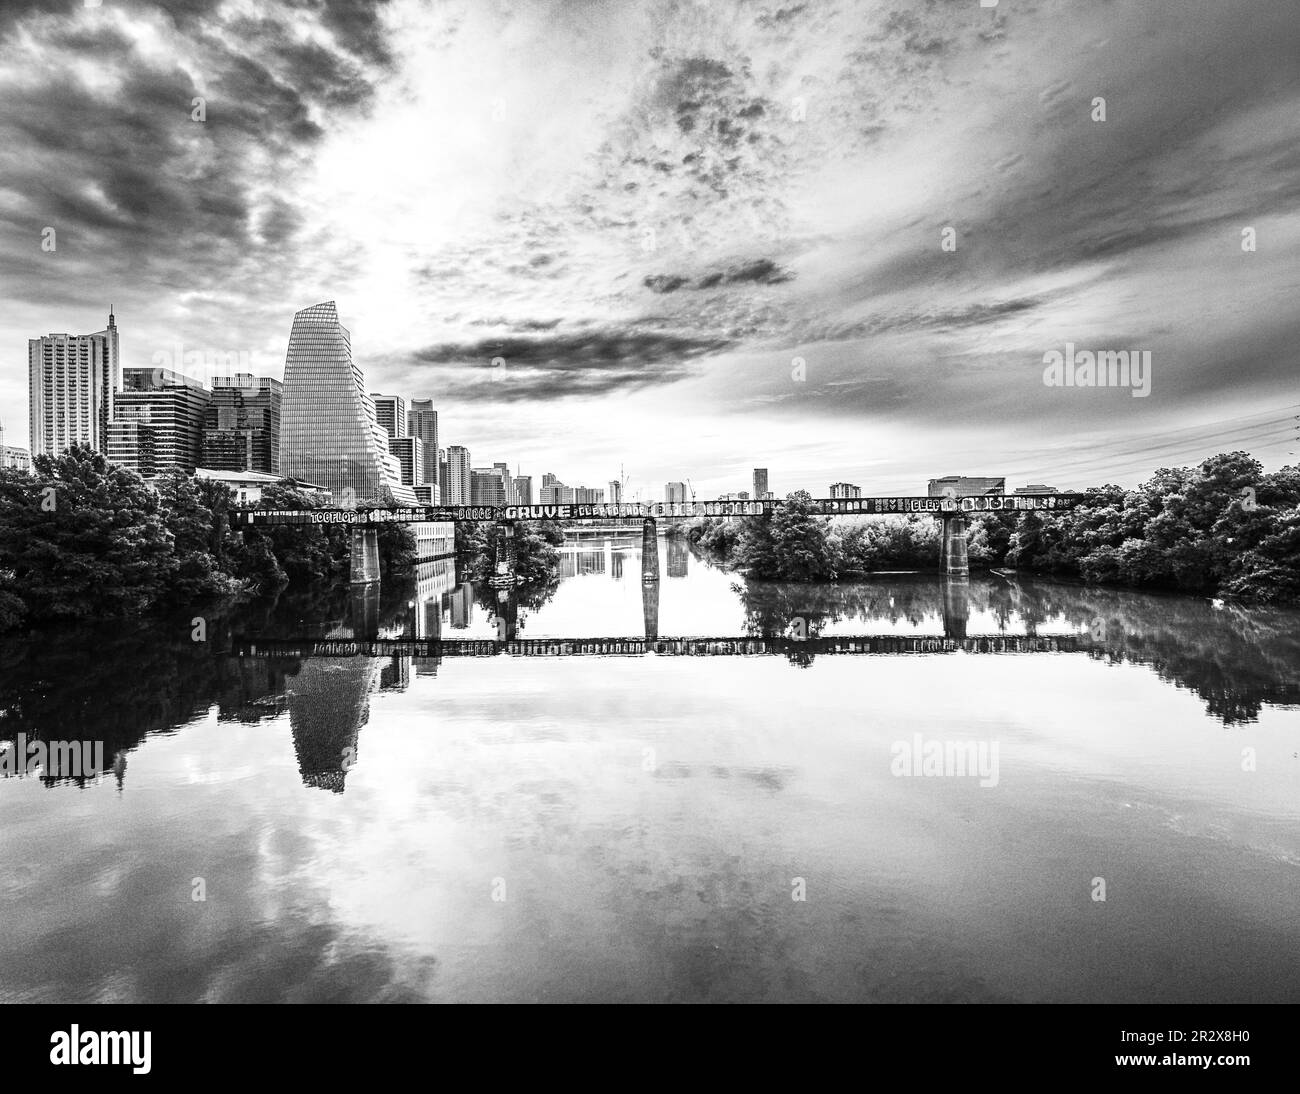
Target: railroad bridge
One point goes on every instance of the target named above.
(955, 513)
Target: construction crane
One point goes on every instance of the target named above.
(691, 489)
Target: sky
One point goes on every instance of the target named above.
(675, 239)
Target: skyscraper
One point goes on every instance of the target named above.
(390, 413)
(329, 432)
(422, 422)
(674, 492)
(486, 487)
(157, 423)
(615, 491)
(457, 490)
(523, 490)
(760, 483)
(241, 425)
(410, 455)
(72, 380)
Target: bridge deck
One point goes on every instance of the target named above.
(835, 507)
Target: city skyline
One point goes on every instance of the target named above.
(637, 247)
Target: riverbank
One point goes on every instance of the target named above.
(1222, 529)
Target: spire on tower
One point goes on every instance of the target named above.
(112, 323)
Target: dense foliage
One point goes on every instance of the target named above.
(83, 538)
(1223, 528)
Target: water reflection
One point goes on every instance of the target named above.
(350, 773)
(123, 683)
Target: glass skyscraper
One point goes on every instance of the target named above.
(329, 434)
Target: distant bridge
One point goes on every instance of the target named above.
(950, 508)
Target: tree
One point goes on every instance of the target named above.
(80, 537)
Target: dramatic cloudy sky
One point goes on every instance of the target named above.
(657, 214)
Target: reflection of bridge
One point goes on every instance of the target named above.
(743, 646)
(953, 511)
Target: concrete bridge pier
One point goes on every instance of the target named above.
(956, 606)
(952, 558)
(505, 553)
(649, 550)
(365, 555)
(650, 608)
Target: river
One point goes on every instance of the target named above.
(774, 810)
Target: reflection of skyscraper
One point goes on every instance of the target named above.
(329, 432)
(462, 606)
(395, 674)
(329, 705)
(679, 556)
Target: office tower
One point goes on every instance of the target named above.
(410, 456)
(674, 492)
(157, 422)
(845, 490)
(11, 458)
(457, 490)
(523, 490)
(760, 482)
(72, 380)
(441, 491)
(422, 422)
(329, 432)
(550, 479)
(615, 491)
(486, 487)
(587, 495)
(965, 486)
(241, 425)
(390, 413)
(507, 483)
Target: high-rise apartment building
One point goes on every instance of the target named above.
(72, 381)
(157, 423)
(760, 483)
(457, 489)
(422, 422)
(410, 455)
(588, 495)
(241, 425)
(390, 413)
(674, 492)
(845, 490)
(329, 432)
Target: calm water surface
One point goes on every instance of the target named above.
(635, 826)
